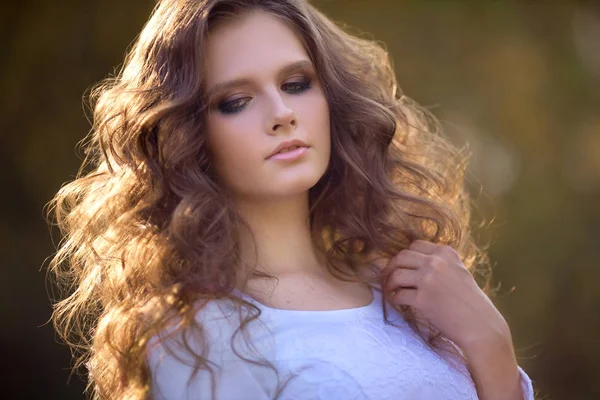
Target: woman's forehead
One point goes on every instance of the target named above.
(251, 43)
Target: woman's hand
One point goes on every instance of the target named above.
(433, 280)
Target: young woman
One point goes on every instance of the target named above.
(264, 215)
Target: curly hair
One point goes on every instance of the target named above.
(149, 237)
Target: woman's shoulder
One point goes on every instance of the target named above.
(212, 322)
(174, 359)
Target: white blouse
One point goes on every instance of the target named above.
(349, 354)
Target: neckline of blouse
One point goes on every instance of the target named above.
(362, 310)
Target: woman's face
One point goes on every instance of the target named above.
(263, 90)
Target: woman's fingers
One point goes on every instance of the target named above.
(405, 259)
(424, 247)
(403, 278)
(403, 270)
(405, 297)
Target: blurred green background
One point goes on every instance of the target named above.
(519, 81)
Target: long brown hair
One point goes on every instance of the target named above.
(148, 233)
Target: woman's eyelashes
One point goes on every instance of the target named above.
(236, 105)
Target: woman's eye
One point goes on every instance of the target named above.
(233, 106)
(297, 87)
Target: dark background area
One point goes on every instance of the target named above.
(519, 81)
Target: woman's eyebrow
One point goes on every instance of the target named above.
(296, 65)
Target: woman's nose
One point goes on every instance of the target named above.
(282, 117)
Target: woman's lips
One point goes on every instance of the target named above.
(290, 155)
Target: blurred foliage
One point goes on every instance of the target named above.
(518, 81)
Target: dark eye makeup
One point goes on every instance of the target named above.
(236, 105)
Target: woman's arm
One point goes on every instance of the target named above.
(494, 369)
